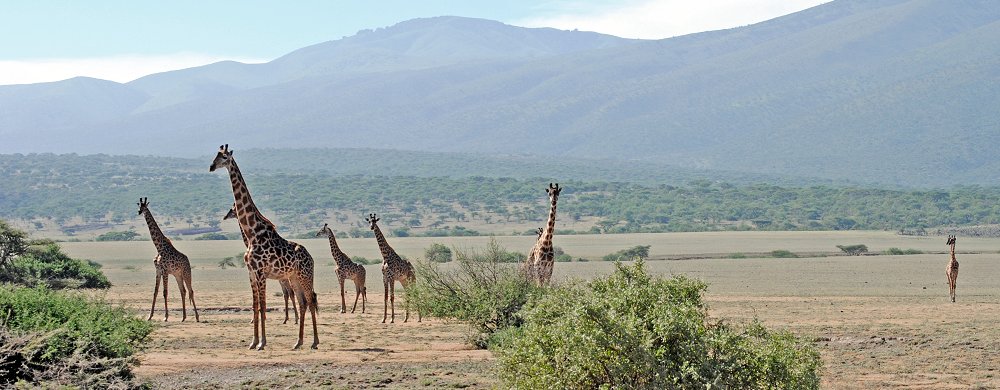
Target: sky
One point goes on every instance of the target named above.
(121, 40)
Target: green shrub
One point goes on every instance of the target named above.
(127, 235)
(214, 236)
(737, 255)
(68, 339)
(630, 330)
(482, 290)
(783, 254)
(438, 253)
(48, 265)
(897, 251)
(638, 252)
(365, 261)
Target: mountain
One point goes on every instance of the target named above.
(900, 92)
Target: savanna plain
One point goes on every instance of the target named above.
(879, 321)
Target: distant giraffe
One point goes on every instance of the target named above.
(394, 268)
(346, 269)
(952, 271)
(286, 287)
(541, 259)
(168, 261)
(269, 256)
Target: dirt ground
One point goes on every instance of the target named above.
(878, 322)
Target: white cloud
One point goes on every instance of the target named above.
(117, 68)
(657, 19)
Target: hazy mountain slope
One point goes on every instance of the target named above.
(37, 113)
(891, 91)
(413, 44)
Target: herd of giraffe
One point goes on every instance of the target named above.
(270, 256)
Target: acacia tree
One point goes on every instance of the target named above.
(854, 250)
(12, 243)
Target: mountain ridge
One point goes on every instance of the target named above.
(848, 90)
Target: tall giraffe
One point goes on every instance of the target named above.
(541, 259)
(286, 287)
(394, 268)
(168, 261)
(269, 256)
(346, 269)
(952, 271)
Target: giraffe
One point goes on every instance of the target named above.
(952, 271)
(346, 269)
(168, 261)
(394, 268)
(286, 287)
(542, 256)
(269, 256)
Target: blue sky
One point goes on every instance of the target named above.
(48, 40)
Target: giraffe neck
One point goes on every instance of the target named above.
(246, 211)
(159, 239)
(335, 249)
(383, 245)
(550, 226)
(953, 252)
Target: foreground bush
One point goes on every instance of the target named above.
(47, 265)
(66, 339)
(480, 288)
(630, 330)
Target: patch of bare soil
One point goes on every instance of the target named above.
(356, 350)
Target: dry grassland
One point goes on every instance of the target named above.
(878, 321)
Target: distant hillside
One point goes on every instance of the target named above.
(82, 196)
(895, 92)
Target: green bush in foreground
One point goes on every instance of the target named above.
(481, 289)
(66, 339)
(630, 330)
(48, 265)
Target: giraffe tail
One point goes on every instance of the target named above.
(316, 301)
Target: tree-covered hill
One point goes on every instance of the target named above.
(102, 190)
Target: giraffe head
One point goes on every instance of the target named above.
(222, 159)
(951, 240)
(325, 231)
(231, 214)
(143, 205)
(553, 191)
(372, 220)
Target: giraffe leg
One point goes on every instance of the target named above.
(343, 302)
(385, 302)
(256, 311)
(253, 309)
(295, 307)
(312, 305)
(262, 303)
(392, 301)
(183, 291)
(166, 311)
(156, 291)
(284, 293)
(364, 296)
(357, 294)
(191, 297)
